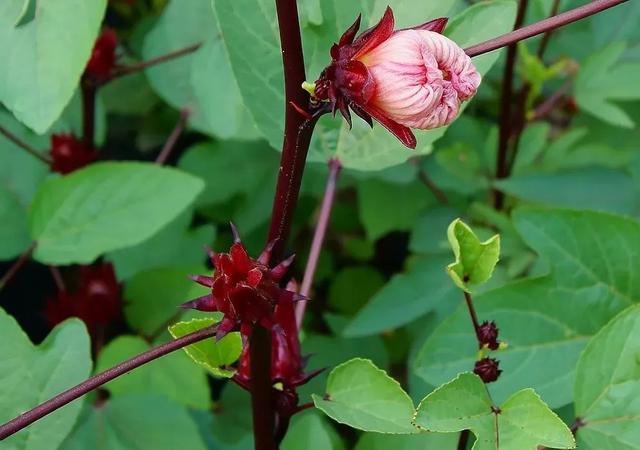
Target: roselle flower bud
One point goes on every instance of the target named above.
(487, 369)
(488, 335)
(244, 289)
(96, 300)
(411, 78)
(103, 56)
(69, 153)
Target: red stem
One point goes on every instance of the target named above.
(318, 236)
(24, 146)
(474, 316)
(463, 439)
(17, 266)
(126, 70)
(543, 26)
(170, 144)
(506, 121)
(89, 89)
(98, 380)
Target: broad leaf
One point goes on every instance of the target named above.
(14, 234)
(136, 421)
(523, 422)
(311, 431)
(104, 207)
(36, 85)
(607, 389)
(172, 376)
(215, 356)
(546, 321)
(30, 374)
(364, 397)
(475, 260)
(422, 441)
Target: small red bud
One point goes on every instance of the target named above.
(103, 56)
(69, 153)
(487, 369)
(488, 335)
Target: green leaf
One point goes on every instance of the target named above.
(352, 287)
(175, 244)
(215, 356)
(77, 217)
(136, 422)
(153, 297)
(405, 298)
(172, 376)
(603, 78)
(548, 320)
(364, 397)
(14, 234)
(185, 82)
(402, 205)
(475, 260)
(607, 386)
(422, 441)
(523, 422)
(428, 232)
(310, 431)
(38, 86)
(30, 374)
(573, 188)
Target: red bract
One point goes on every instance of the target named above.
(69, 153)
(244, 289)
(487, 369)
(96, 300)
(411, 78)
(488, 335)
(103, 56)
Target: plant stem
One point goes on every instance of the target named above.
(318, 236)
(543, 26)
(506, 120)
(22, 259)
(169, 145)
(473, 315)
(544, 42)
(137, 67)
(89, 90)
(24, 146)
(98, 380)
(463, 439)
(57, 278)
(550, 103)
(297, 136)
(438, 193)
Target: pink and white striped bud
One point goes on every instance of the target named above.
(421, 78)
(411, 78)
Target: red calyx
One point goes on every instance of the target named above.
(244, 289)
(96, 299)
(69, 153)
(347, 84)
(103, 57)
(488, 335)
(487, 369)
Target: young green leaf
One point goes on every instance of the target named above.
(31, 374)
(364, 397)
(104, 207)
(38, 86)
(523, 422)
(173, 376)
(475, 260)
(607, 388)
(215, 356)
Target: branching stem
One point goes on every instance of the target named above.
(24, 146)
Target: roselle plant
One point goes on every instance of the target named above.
(453, 271)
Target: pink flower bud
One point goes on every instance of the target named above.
(412, 78)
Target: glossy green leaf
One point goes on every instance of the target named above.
(172, 376)
(175, 244)
(77, 217)
(215, 356)
(362, 396)
(548, 320)
(153, 297)
(311, 431)
(32, 374)
(475, 260)
(422, 441)
(523, 422)
(136, 421)
(405, 298)
(607, 388)
(37, 85)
